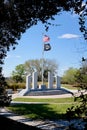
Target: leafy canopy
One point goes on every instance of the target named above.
(17, 16)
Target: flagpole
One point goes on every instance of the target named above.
(45, 39)
(42, 63)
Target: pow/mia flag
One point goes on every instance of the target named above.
(47, 47)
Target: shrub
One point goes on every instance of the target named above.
(15, 86)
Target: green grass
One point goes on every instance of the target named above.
(68, 86)
(43, 108)
(41, 111)
(45, 100)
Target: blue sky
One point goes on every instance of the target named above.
(67, 45)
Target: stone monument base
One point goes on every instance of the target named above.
(46, 92)
(42, 87)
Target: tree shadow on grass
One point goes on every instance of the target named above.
(37, 111)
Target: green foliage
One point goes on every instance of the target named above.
(18, 74)
(30, 66)
(18, 16)
(68, 76)
(78, 110)
(15, 86)
(81, 81)
(5, 100)
(3, 83)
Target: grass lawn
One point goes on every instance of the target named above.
(48, 108)
(46, 100)
(68, 86)
(44, 108)
(41, 111)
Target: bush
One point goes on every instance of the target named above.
(15, 86)
(5, 100)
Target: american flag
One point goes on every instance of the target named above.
(46, 38)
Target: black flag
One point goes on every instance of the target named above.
(47, 47)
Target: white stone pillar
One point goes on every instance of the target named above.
(50, 80)
(58, 85)
(28, 82)
(34, 80)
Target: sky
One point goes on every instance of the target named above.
(67, 45)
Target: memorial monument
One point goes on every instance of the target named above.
(32, 87)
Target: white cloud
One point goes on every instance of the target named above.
(68, 36)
